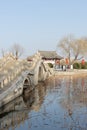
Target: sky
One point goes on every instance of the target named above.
(40, 24)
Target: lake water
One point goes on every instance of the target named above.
(60, 103)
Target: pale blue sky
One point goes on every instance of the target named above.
(40, 24)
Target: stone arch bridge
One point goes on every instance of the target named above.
(17, 75)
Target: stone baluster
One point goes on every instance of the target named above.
(1, 84)
(9, 79)
(5, 81)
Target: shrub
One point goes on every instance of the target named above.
(84, 66)
(50, 65)
(77, 66)
(80, 66)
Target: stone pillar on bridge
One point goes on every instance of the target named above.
(1, 84)
(9, 78)
(5, 81)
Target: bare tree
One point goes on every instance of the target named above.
(3, 52)
(17, 50)
(73, 49)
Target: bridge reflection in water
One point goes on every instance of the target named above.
(59, 103)
(16, 112)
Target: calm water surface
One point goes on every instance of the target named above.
(58, 104)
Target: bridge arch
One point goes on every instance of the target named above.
(27, 84)
(41, 72)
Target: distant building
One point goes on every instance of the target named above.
(50, 56)
(47, 57)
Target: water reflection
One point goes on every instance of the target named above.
(60, 103)
(16, 112)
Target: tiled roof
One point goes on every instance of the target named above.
(49, 54)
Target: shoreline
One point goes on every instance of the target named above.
(70, 72)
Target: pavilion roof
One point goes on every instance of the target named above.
(49, 54)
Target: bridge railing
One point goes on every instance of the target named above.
(5, 60)
(9, 73)
(36, 59)
(13, 68)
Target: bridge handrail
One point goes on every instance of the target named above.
(14, 85)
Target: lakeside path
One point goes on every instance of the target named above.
(79, 72)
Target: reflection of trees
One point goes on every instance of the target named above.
(40, 92)
(70, 91)
(16, 112)
(75, 100)
(80, 90)
(53, 84)
(75, 92)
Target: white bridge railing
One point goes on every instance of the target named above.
(12, 68)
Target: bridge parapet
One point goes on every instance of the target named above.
(14, 68)
(14, 72)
